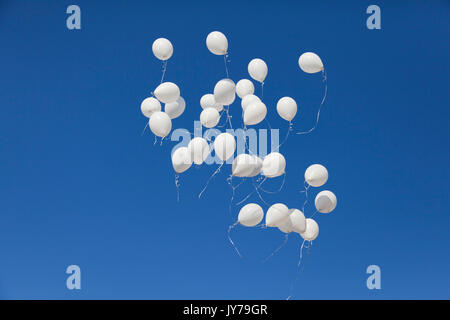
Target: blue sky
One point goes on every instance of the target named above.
(80, 185)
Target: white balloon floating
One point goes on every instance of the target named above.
(312, 230)
(310, 62)
(167, 92)
(149, 106)
(245, 165)
(209, 117)
(274, 165)
(244, 87)
(176, 108)
(277, 215)
(225, 92)
(298, 220)
(257, 69)
(162, 49)
(316, 175)
(199, 150)
(224, 146)
(208, 101)
(248, 100)
(325, 201)
(255, 113)
(217, 43)
(160, 124)
(287, 108)
(181, 159)
(250, 215)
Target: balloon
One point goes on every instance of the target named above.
(250, 215)
(162, 49)
(298, 221)
(244, 87)
(208, 101)
(209, 117)
(255, 113)
(245, 165)
(224, 146)
(316, 175)
(150, 105)
(167, 92)
(287, 108)
(199, 150)
(217, 43)
(224, 92)
(160, 124)
(181, 159)
(286, 227)
(310, 62)
(257, 69)
(325, 201)
(249, 99)
(273, 165)
(176, 108)
(277, 215)
(257, 163)
(312, 230)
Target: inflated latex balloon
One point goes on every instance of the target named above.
(162, 49)
(176, 108)
(248, 100)
(167, 92)
(150, 105)
(287, 108)
(208, 101)
(243, 165)
(250, 215)
(244, 87)
(217, 43)
(310, 62)
(224, 146)
(298, 221)
(255, 113)
(160, 124)
(257, 69)
(274, 165)
(224, 92)
(257, 163)
(316, 175)
(312, 230)
(277, 215)
(286, 227)
(209, 117)
(199, 150)
(326, 201)
(181, 159)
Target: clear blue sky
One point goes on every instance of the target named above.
(80, 185)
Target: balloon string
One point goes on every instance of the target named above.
(286, 236)
(177, 184)
(312, 216)
(251, 193)
(262, 90)
(231, 241)
(279, 189)
(146, 125)
(297, 271)
(164, 68)
(291, 125)
(210, 178)
(324, 74)
(306, 185)
(225, 57)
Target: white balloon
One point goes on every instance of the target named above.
(150, 105)
(176, 108)
(244, 87)
(257, 69)
(209, 117)
(224, 146)
(199, 150)
(274, 165)
(248, 100)
(224, 92)
(160, 124)
(326, 201)
(277, 215)
(255, 113)
(250, 215)
(181, 159)
(316, 175)
(217, 43)
(287, 108)
(310, 62)
(162, 49)
(312, 230)
(243, 165)
(208, 101)
(167, 92)
(286, 227)
(257, 163)
(298, 221)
